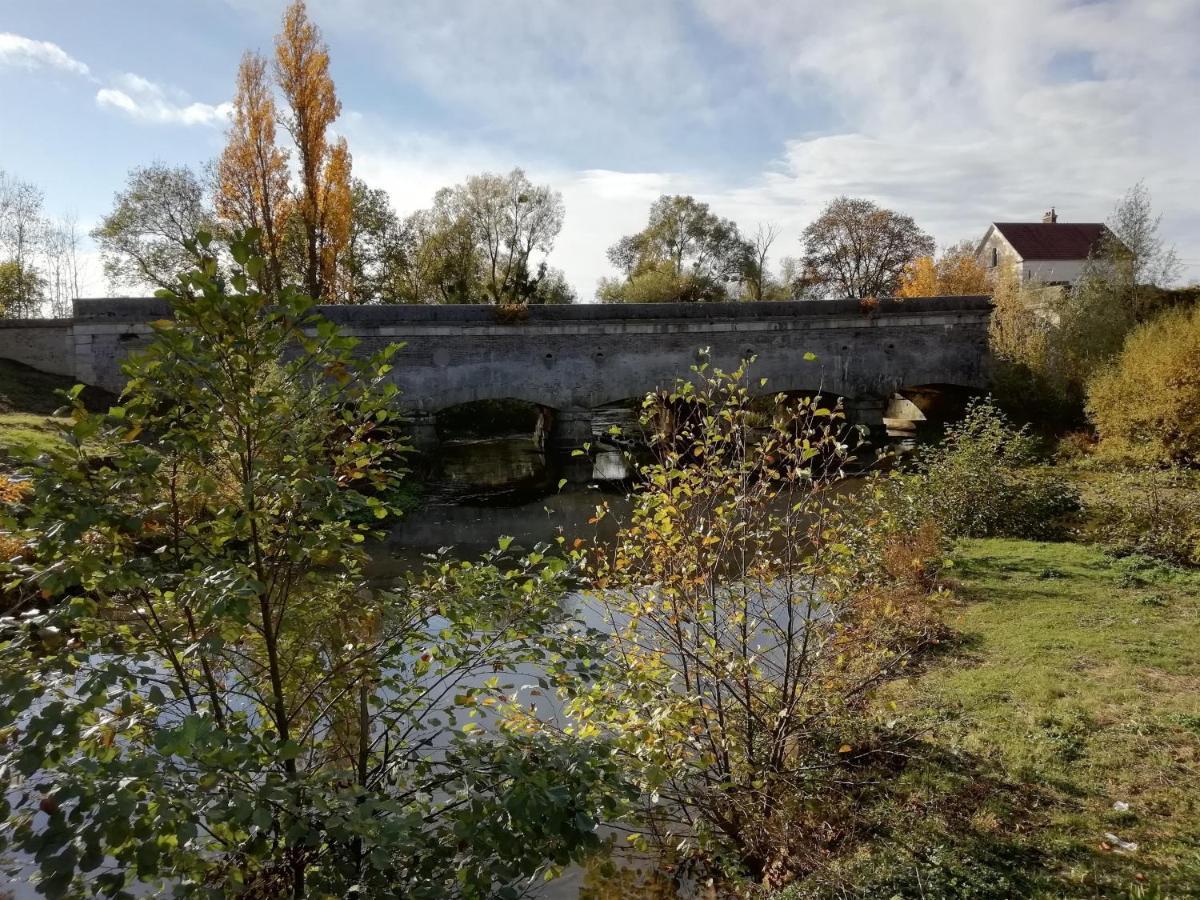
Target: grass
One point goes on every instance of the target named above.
(25, 434)
(1074, 686)
(28, 401)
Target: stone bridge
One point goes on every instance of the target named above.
(575, 360)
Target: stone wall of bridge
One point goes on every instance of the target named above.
(573, 359)
(44, 344)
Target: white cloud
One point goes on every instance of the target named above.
(26, 53)
(961, 113)
(957, 112)
(561, 71)
(146, 101)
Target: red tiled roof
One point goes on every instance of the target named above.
(1052, 240)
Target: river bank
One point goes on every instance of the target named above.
(1060, 748)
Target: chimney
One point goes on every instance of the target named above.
(1050, 218)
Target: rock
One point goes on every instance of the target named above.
(1120, 845)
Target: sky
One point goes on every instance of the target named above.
(956, 112)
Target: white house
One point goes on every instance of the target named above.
(1048, 251)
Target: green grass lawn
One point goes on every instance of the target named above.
(22, 434)
(1073, 685)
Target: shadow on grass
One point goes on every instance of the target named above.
(938, 823)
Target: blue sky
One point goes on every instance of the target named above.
(958, 112)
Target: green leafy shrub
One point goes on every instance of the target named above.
(748, 636)
(1147, 403)
(211, 699)
(981, 481)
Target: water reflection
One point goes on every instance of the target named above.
(473, 529)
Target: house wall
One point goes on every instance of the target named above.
(1004, 250)
(1052, 270)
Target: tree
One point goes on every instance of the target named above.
(440, 261)
(302, 70)
(61, 254)
(375, 248)
(510, 219)
(1028, 378)
(251, 174)
(1147, 401)
(657, 282)
(758, 280)
(858, 249)
(956, 273)
(478, 241)
(40, 255)
(21, 290)
(1144, 259)
(797, 281)
(338, 206)
(551, 288)
(22, 233)
(920, 279)
(212, 700)
(1117, 289)
(748, 634)
(144, 240)
(685, 253)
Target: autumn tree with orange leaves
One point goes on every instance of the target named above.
(251, 174)
(323, 195)
(336, 209)
(305, 228)
(957, 273)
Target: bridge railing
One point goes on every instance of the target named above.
(149, 308)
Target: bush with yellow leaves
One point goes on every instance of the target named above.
(1147, 403)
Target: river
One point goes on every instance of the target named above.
(467, 510)
(483, 490)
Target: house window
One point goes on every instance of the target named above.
(995, 258)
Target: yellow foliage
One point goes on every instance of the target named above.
(302, 69)
(252, 177)
(956, 274)
(1017, 331)
(12, 490)
(336, 208)
(1148, 401)
(11, 546)
(919, 278)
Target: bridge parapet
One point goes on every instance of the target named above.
(147, 309)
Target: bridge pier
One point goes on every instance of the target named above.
(572, 429)
(421, 430)
(866, 411)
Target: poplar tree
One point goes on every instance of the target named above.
(323, 195)
(252, 176)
